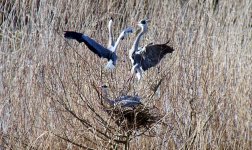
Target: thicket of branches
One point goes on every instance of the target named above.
(48, 85)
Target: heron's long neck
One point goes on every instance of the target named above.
(118, 40)
(136, 43)
(111, 40)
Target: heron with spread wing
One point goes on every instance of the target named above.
(149, 56)
(108, 53)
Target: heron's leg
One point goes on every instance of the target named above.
(111, 75)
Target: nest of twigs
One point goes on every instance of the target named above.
(129, 118)
(135, 118)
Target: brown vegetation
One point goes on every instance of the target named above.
(47, 97)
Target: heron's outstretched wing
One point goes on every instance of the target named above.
(153, 54)
(90, 43)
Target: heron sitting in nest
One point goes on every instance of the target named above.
(125, 101)
(128, 111)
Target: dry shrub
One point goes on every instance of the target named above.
(135, 118)
(46, 96)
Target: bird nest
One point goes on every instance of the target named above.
(132, 118)
(135, 118)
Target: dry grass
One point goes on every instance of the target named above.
(46, 92)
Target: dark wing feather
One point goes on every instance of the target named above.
(153, 54)
(90, 43)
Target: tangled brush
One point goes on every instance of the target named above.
(134, 118)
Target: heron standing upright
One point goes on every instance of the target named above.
(149, 56)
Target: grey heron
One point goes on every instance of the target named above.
(122, 101)
(98, 49)
(149, 56)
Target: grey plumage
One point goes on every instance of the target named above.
(152, 55)
(122, 101)
(127, 101)
(149, 56)
(113, 44)
(98, 49)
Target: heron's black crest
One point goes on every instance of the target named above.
(104, 86)
(143, 22)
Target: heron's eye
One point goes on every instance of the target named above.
(143, 22)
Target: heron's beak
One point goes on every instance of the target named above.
(148, 20)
